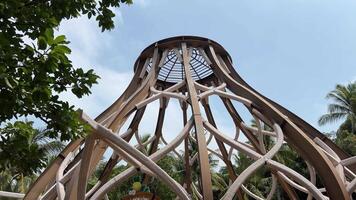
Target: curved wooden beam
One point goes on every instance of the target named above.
(294, 134)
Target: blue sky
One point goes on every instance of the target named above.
(293, 52)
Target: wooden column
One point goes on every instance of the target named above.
(188, 171)
(199, 130)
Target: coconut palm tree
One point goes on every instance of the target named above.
(343, 107)
(24, 152)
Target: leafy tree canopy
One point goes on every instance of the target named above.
(25, 150)
(34, 64)
(343, 107)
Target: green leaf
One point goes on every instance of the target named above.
(41, 42)
(3, 40)
(62, 49)
(78, 92)
(49, 34)
(41, 94)
(59, 39)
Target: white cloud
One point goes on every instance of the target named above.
(85, 36)
(118, 19)
(142, 3)
(87, 41)
(109, 88)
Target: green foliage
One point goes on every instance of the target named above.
(124, 187)
(18, 183)
(34, 64)
(170, 165)
(347, 141)
(344, 105)
(24, 151)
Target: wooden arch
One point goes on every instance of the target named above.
(192, 69)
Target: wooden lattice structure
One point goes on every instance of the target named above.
(191, 70)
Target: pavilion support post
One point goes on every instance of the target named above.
(237, 121)
(49, 174)
(188, 172)
(84, 168)
(159, 125)
(224, 153)
(105, 175)
(158, 133)
(127, 106)
(199, 129)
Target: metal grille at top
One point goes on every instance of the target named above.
(172, 69)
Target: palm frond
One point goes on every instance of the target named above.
(50, 146)
(342, 91)
(336, 108)
(218, 182)
(344, 98)
(53, 147)
(341, 100)
(331, 118)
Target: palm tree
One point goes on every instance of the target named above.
(344, 106)
(24, 151)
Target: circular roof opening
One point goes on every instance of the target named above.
(172, 69)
